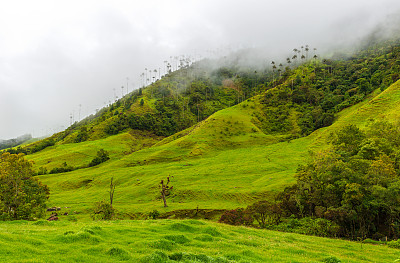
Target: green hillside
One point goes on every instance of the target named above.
(236, 142)
(227, 153)
(234, 157)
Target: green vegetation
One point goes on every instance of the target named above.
(21, 195)
(4, 144)
(311, 149)
(174, 241)
(355, 184)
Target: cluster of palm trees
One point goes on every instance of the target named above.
(150, 76)
(300, 56)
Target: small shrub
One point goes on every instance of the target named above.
(154, 214)
(101, 157)
(102, 211)
(236, 217)
(63, 169)
(394, 244)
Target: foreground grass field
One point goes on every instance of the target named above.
(173, 241)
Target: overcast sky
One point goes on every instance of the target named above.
(57, 55)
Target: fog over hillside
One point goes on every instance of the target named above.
(64, 59)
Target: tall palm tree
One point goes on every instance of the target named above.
(288, 61)
(273, 71)
(306, 49)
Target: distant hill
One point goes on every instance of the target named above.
(4, 144)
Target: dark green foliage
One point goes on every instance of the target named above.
(63, 169)
(355, 184)
(102, 211)
(82, 135)
(101, 157)
(154, 214)
(41, 145)
(309, 226)
(310, 96)
(21, 195)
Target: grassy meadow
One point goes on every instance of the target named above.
(173, 241)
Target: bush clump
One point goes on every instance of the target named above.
(101, 157)
(102, 211)
(236, 217)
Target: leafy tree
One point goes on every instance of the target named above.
(265, 212)
(21, 195)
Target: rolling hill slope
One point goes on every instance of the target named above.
(223, 162)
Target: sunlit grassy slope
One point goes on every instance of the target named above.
(223, 162)
(80, 154)
(173, 241)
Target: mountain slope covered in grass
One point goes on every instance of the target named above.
(234, 157)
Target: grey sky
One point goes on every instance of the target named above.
(56, 55)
